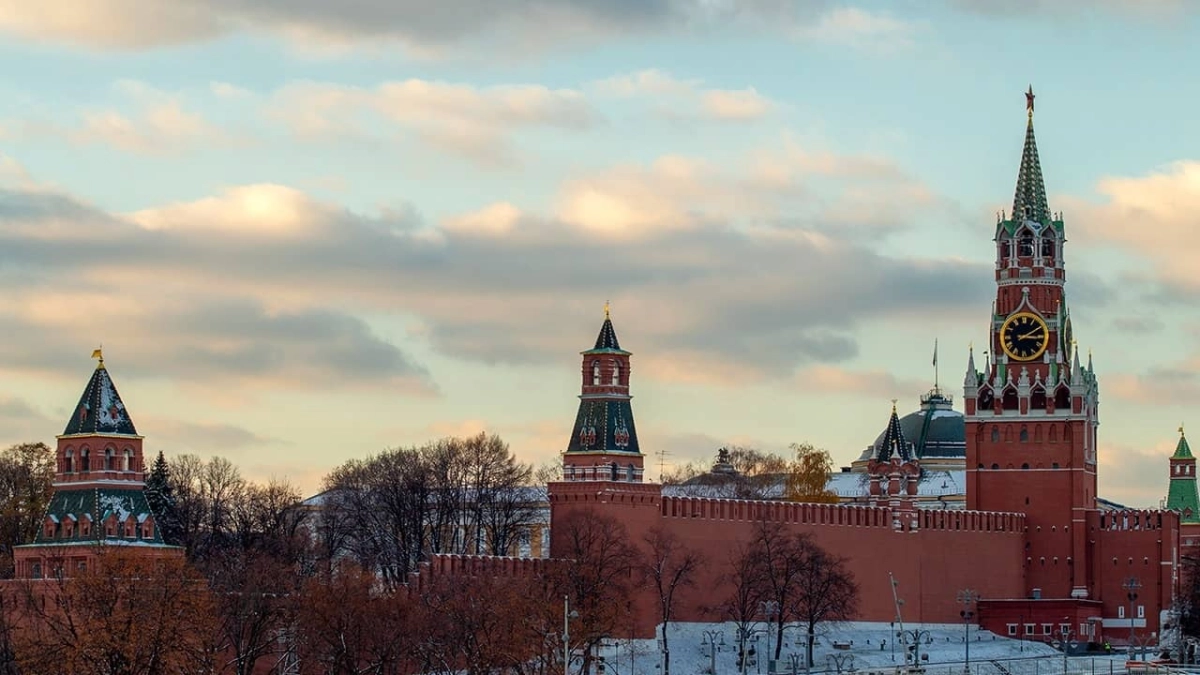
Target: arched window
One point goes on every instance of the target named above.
(616, 374)
(995, 434)
(630, 472)
(1037, 400)
(595, 372)
(1025, 465)
(1053, 433)
(1062, 398)
(1024, 435)
(995, 466)
(69, 461)
(1048, 250)
(986, 400)
(127, 462)
(1025, 245)
(85, 460)
(108, 459)
(1010, 400)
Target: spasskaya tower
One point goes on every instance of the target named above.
(1031, 411)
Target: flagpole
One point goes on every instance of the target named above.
(936, 388)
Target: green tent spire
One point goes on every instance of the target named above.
(1182, 494)
(1029, 202)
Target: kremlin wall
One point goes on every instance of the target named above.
(1035, 540)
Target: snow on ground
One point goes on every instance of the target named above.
(862, 648)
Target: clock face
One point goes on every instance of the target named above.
(1024, 336)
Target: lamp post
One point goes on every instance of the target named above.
(967, 599)
(1064, 640)
(712, 636)
(566, 635)
(916, 634)
(1131, 586)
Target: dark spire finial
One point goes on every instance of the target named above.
(1029, 101)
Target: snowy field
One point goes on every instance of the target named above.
(861, 648)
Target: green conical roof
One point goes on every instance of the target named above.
(1182, 451)
(1029, 201)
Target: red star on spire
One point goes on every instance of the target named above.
(1029, 100)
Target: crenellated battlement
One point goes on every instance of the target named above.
(1137, 520)
(837, 515)
(604, 492)
(798, 513)
(972, 521)
(447, 564)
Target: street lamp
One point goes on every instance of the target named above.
(1063, 634)
(967, 599)
(567, 616)
(712, 636)
(917, 635)
(1131, 586)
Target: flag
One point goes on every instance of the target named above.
(935, 352)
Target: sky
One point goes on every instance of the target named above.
(305, 231)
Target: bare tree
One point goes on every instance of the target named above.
(250, 591)
(597, 575)
(781, 563)
(346, 625)
(743, 605)
(451, 496)
(799, 581)
(123, 614)
(669, 566)
(26, 475)
(826, 591)
(185, 471)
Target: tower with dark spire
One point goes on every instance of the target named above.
(99, 489)
(1031, 412)
(894, 470)
(604, 443)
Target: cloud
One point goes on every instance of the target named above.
(21, 422)
(266, 286)
(1150, 218)
(149, 121)
(477, 123)
(450, 28)
(202, 438)
(875, 384)
(859, 28)
(685, 98)
(1173, 384)
(177, 317)
(1076, 8)
(1131, 473)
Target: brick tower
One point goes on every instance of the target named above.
(1031, 413)
(1182, 493)
(99, 494)
(604, 443)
